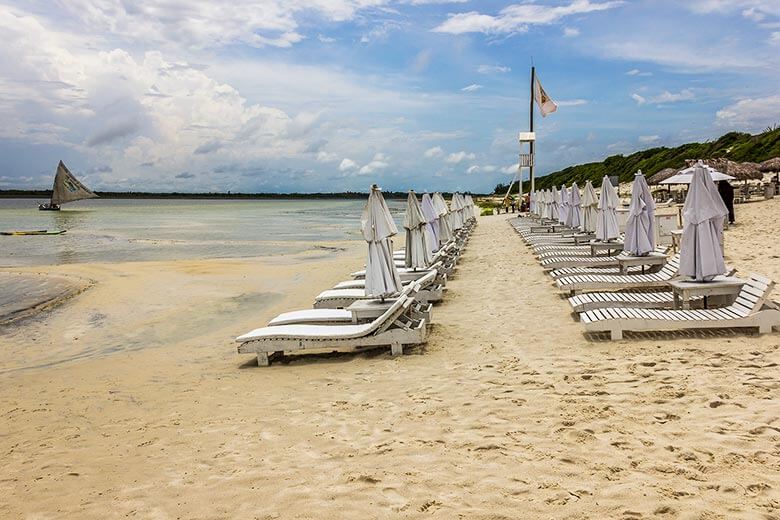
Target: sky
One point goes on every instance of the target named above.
(334, 95)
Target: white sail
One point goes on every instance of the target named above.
(68, 188)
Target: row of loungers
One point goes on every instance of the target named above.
(608, 301)
(344, 318)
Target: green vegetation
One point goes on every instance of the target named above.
(736, 146)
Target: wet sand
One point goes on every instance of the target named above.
(131, 401)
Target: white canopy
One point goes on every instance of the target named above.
(701, 254)
(640, 227)
(432, 222)
(445, 229)
(378, 227)
(589, 208)
(573, 219)
(606, 222)
(685, 176)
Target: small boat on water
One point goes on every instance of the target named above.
(67, 188)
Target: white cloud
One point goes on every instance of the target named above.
(422, 60)
(681, 53)
(493, 69)
(325, 157)
(647, 139)
(325, 39)
(436, 151)
(571, 102)
(518, 17)
(378, 163)
(203, 24)
(471, 88)
(510, 169)
(774, 38)
(380, 32)
(754, 14)
(456, 157)
(673, 97)
(637, 72)
(751, 114)
(474, 168)
(347, 165)
(570, 32)
(665, 97)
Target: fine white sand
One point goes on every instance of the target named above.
(133, 402)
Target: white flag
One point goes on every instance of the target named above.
(546, 105)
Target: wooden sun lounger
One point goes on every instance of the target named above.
(430, 292)
(751, 309)
(570, 271)
(393, 328)
(555, 262)
(607, 282)
(644, 300)
(407, 274)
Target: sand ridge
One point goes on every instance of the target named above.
(510, 411)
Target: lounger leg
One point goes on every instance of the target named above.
(616, 334)
(262, 359)
(764, 328)
(396, 349)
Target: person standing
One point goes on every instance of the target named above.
(727, 194)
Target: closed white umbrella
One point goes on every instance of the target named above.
(563, 211)
(378, 227)
(573, 219)
(548, 204)
(555, 205)
(606, 222)
(685, 176)
(701, 254)
(432, 221)
(532, 202)
(640, 227)
(589, 208)
(418, 252)
(456, 212)
(445, 229)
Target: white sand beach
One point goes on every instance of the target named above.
(130, 401)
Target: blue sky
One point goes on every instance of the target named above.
(333, 95)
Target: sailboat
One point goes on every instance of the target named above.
(67, 188)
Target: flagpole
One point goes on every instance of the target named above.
(531, 129)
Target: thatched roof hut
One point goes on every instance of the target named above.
(770, 165)
(744, 171)
(662, 175)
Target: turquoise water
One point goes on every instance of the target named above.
(114, 230)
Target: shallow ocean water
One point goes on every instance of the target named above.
(118, 230)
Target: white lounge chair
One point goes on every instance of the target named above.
(341, 298)
(609, 282)
(370, 311)
(555, 262)
(393, 328)
(640, 300)
(751, 309)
